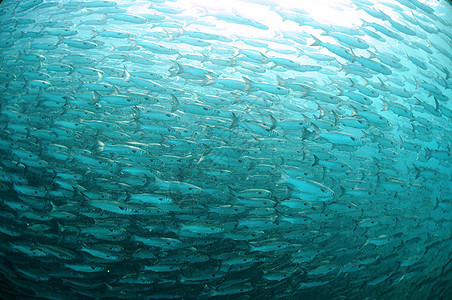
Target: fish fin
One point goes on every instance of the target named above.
(104, 18)
(342, 191)
(336, 118)
(281, 82)
(317, 131)
(232, 191)
(180, 68)
(382, 84)
(60, 39)
(98, 146)
(157, 181)
(96, 96)
(317, 42)
(201, 159)
(128, 196)
(341, 68)
(94, 34)
(436, 104)
(53, 206)
(428, 153)
(321, 112)
(316, 161)
(84, 197)
(306, 133)
(274, 123)
(146, 184)
(138, 127)
(289, 192)
(132, 44)
(356, 224)
(174, 68)
(117, 91)
(236, 52)
(126, 74)
(204, 57)
(385, 105)
(209, 80)
(283, 174)
(355, 111)
(233, 62)
(235, 121)
(236, 98)
(174, 103)
(280, 215)
(99, 76)
(248, 84)
(353, 55)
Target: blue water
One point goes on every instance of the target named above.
(163, 149)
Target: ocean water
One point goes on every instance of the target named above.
(228, 149)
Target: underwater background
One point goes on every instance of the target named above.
(226, 149)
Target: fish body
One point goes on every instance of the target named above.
(227, 149)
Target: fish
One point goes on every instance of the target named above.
(236, 149)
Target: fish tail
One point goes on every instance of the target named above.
(174, 103)
(98, 146)
(316, 161)
(248, 83)
(283, 174)
(235, 121)
(209, 80)
(126, 74)
(385, 105)
(281, 82)
(274, 123)
(317, 42)
(336, 118)
(60, 40)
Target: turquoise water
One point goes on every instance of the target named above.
(163, 149)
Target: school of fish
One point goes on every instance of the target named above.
(147, 153)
